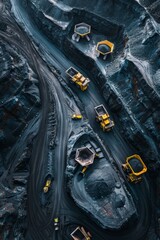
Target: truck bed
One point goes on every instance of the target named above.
(71, 72)
(78, 234)
(100, 110)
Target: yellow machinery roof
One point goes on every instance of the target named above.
(107, 43)
(78, 75)
(136, 156)
(107, 121)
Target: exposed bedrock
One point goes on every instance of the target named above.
(153, 7)
(19, 95)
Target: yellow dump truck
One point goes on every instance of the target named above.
(77, 78)
(80, 234)
(76, 116)
(48, 183)
(134, 168)
(102, 116)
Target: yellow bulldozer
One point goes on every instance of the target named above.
(103, 117)
(77, 78)
(134, 168)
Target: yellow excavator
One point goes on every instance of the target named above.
(76, 116)
(134, 168)
(77, 78)
(103, 117)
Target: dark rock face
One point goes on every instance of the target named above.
(141, 99)
(19, 103)
(19, 95)
(12, 212)
(153, 8)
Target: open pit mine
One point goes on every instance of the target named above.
(79, 120)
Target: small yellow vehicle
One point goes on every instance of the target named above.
(134, 168)
(47, 184)
(76, 116)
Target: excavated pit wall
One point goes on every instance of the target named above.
(51, 29)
